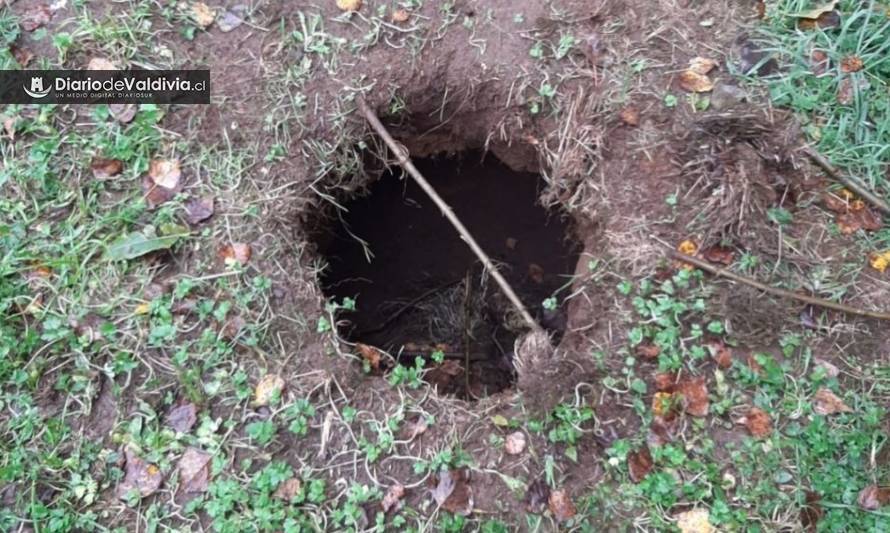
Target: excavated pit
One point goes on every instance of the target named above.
(419, 288)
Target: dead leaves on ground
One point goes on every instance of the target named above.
(822, 17)
(879, 261)
(695, 521)
(758, 422)
(392, 500)
(515, 443)
(639, 464)
(162, 182)
(370, 355)
(827, 403)
(349, 5)
(561, 505)
(690, 394)
(35, 17)
(202, 15)
(235, 253)
(198, 210)
(452, 491)
(695, 78)
(853, 213)
(104, 169)
(194, 471)
(140, 476)
(183, 417)
(268, 388)
(873, 497)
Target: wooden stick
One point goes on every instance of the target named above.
(848, 182)
(811, 300)
(409, 167)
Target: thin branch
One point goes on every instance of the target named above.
(848, 182)
(782, 293)
(409, 167)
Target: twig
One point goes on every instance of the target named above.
(409, 167)
(811, 300)
(848, 182)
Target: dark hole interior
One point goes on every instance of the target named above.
(423, 289)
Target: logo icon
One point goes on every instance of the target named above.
(36, 90)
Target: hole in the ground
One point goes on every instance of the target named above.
(423, 290)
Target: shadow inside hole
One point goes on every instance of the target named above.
(423, 289)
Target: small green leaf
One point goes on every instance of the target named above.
(139, 243)
(500, 420)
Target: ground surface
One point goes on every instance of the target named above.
(169, 359)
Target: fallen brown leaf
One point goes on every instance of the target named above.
(349, 5)
(9, 127)
(851, 64)
(822, 17)
(267, 388)
(194, 471)
(639, 464)
(202, 14)
(701, 65)
(719, 254)
(515, 443)
(165, 173)
(695, 521)
(661, 431)
(198, 210)
(139, 475)
(453, 492)
(288, 489)
(665, 381)
(630, 115)
(35, 17)
(101, 63)
(847, 89)
(830, 370)
(757, 422)
(826, 403)
(232, 327)
(154, 194)
(106, 168)
(536, 273)
(393, 498)
(811, 512)
(123, 113)
(864, 219)
(663, 404)
(415, 428)
(818, 11)
(236, 252)
(370, 354)
(694, 82)
(721, 353)
(872, 497)
(561, 505)
(695, 396)
(400, 15)
(182, 417)
(647, 350)
(232, 18)
(819, 62)
(22, 56)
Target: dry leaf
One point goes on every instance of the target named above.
(695, 396)
(415, 428)
(647, 350)
(511, 243)
(165, 172)
(662, 431)
(815, 13)
(453, 492)
(811, 512)
(663, 404)
(694, 82)
(861, 219)
(100, 63)
(826, 403)
(639, 464)
(515, 443)
(154, 194)
(872, 497)
(851, 64)
(830, 370)
(695, 521)
(22, 56)
(665, 381)
(819, 62)
(393, 498)
(760, 8)
(237, 252)
(846, 91)
(288, 489)
(879, 261)
(701, 65)
(9, 127)
(719, 254)
(757, 422)
(106, 168)
(561, 505)
(194, 471)
(202, 14)
(232, 18)
(349, 5)
(630, 115)
(182, 417)
(269, 386)
(400, 15)
(721, 353)
(139, 475)
(35, 17)
(369, 354)
(198, 210)
(123, 113)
